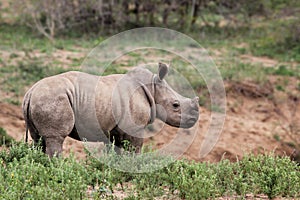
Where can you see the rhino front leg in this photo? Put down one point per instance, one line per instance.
(119, 137)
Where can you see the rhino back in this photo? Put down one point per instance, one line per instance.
(72, 92)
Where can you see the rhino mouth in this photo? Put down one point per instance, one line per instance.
(189, 123)
(192, 120)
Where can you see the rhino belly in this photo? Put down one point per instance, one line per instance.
(87, 125)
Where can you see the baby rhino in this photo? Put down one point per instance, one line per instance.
(110, 108)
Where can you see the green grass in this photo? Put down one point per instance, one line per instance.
(235, 70)
(27, 173)
(283, 70)
(20, 71)
(277, 39)
(14, 78)
(17, 37)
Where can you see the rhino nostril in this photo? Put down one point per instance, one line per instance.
(194, 109)
(194, 112)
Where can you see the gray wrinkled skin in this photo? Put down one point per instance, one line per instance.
(116, 107)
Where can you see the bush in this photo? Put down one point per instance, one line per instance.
(53, 17)
(26, 172)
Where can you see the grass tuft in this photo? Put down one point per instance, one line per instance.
(5, 139)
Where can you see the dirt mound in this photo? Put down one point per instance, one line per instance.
(245, 131)
(11, 119)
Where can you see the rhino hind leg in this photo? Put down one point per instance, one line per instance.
(54, 146)
(37, 139)
(54, 122)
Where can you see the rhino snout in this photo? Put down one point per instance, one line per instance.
(191, 114)
(195, 106)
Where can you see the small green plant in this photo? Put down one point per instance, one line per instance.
(5, 139)
(291, 144)
(280, 88)
(13, 55)
(284, 71)
(276, 137)
(241, 50)
(114, 70)
(128, 146)
(13, 101)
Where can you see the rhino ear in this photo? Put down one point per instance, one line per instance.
(151, 102)
(163, 70)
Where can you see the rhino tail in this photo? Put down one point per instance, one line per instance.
(25, 107)
(26, 113)
(26, 134)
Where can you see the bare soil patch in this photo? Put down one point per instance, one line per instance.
(62, 58)
(11, 119)
(265, 61)
(250, 127)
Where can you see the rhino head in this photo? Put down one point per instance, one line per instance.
(171, 107)
(166, 104)
(139, 89)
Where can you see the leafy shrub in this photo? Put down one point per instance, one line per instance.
(26, 172)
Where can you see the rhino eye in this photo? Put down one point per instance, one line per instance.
(176, 104)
